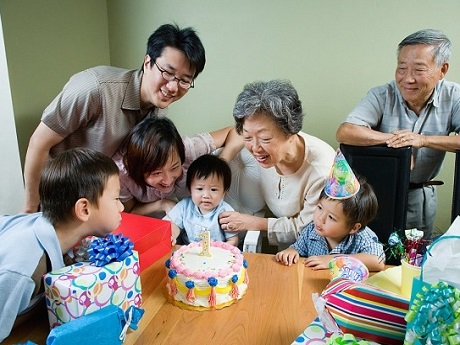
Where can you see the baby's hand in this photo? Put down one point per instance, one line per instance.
(288, 256)
(319, 262)
(175, 232)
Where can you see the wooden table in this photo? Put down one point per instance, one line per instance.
(276, 308)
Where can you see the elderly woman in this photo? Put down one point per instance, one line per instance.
(295, 165)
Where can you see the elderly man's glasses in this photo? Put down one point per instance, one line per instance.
(184, 84)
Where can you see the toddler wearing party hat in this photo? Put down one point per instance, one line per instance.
(339, 226)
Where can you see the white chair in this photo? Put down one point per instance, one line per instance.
(245, 195)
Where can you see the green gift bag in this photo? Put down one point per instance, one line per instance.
(434, 312)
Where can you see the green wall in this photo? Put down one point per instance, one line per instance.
(46, 42)
(333, 51)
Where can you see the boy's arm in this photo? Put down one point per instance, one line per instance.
(15, 293)
(319, 262)
(372, 262)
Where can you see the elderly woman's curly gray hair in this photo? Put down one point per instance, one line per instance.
(275, 98)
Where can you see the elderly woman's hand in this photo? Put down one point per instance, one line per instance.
(233, 221)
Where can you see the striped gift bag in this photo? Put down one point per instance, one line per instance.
(366, 311)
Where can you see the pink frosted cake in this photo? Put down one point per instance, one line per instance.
(200, 282)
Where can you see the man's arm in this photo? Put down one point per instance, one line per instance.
(402, 138)
(351, 134)
(40, 143)
(449, 143)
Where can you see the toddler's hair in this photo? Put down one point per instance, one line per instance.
(208, 165)
(361, 207)
(71, 175)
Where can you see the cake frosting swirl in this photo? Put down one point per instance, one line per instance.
(202, 282)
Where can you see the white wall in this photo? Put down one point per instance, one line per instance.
(11, 183)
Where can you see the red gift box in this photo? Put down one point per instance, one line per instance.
(151, 237)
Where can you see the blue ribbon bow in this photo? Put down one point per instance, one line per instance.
(112, 248)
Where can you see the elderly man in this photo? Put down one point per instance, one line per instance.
(418, 109)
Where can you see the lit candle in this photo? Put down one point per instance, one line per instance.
(205, 242)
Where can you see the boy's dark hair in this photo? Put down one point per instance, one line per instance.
(71, 175)
(185, 40)
(361, 207)
(208, 165)
(150, 146)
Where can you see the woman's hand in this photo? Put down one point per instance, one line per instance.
(233, 221)
(288, 256)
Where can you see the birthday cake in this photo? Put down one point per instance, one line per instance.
(200, 282)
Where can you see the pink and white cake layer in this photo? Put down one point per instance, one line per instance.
(200, 282)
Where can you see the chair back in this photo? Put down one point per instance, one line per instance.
(388, 171)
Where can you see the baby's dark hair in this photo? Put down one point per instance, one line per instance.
(71, 175)
(361, 207)
(208, 165)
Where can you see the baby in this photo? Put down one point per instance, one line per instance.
(208, 179)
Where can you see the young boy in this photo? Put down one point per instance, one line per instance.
(79, 193)
(208, 179)
(339, 226)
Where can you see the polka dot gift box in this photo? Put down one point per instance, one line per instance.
(111, 278)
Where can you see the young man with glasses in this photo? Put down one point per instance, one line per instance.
(98, 107)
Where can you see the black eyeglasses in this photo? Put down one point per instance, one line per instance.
(184, 84)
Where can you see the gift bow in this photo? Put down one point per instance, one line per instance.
(131, 318)
(346, 339)
(435, 315)
(109, 249)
